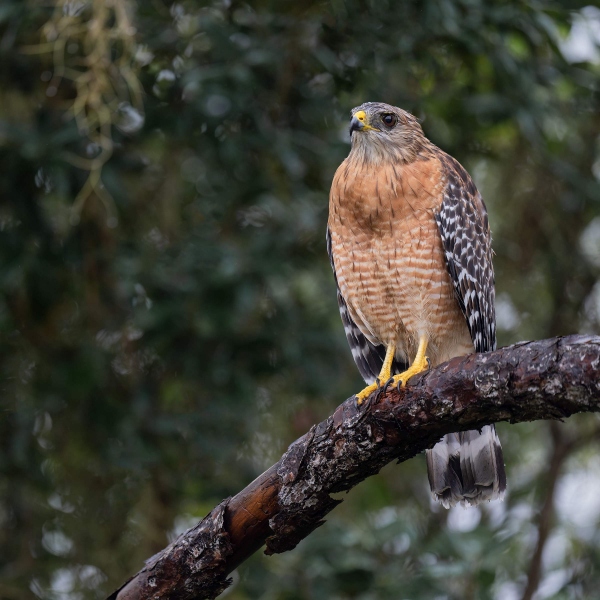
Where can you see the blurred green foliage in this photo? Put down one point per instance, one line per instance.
(165, 340)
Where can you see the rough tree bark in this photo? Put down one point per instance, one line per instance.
(549, 379)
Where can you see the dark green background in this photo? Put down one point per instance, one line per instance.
(152, 368)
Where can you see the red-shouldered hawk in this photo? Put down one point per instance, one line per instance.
(410, 247)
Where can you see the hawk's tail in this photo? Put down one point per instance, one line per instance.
(467, 468)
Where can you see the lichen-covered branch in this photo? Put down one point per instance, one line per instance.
(549, 379)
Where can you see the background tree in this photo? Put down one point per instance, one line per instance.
(165, 170)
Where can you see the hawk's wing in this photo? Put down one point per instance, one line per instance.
(467, 467)
(368, 357)
(463, 224)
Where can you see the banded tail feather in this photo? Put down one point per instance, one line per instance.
(467, 468)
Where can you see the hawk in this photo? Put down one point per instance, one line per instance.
(410, 246)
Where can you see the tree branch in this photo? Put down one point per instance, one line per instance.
(549, 379)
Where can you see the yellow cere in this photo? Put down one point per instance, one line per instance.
(362, 117)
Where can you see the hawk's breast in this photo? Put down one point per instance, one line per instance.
(388, 255)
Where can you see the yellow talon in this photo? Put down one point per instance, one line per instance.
(384, 375)
(364, 394)
(413, 370)
(420, 364)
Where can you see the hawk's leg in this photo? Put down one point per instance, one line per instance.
(384, 375)
(420, 364)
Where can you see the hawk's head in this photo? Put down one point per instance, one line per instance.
(382, 132)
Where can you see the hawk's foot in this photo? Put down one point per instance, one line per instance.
(364, 394)
(420, 365)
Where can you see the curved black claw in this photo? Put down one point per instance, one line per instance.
(399, 385)
(428, 363)
(364, 403)
(386, 384)
(367, 400)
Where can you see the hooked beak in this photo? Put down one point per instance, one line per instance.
(356, 125)
(359, 122)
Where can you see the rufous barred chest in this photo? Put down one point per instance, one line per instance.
(389, 259)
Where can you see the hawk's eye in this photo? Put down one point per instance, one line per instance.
(389, 120)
